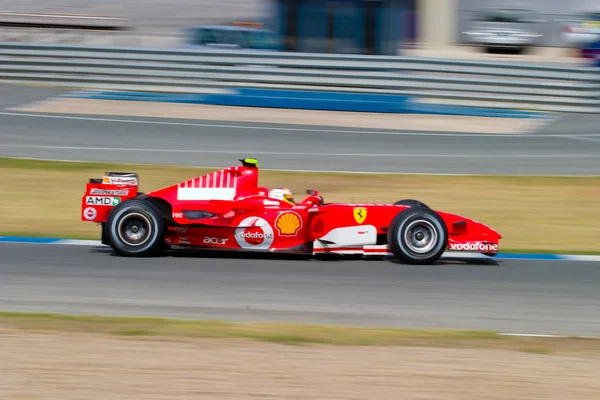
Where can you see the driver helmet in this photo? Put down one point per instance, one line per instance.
(282, 194)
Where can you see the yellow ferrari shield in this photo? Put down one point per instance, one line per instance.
(360, 214)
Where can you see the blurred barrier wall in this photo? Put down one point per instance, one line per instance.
(437, 81)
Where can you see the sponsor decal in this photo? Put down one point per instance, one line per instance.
(119, 180)
(109, 192)
(212, 240)
(474, 246)
(90, 213)
(177, 215)
(254, 233)
(102, 201)
(360, 214)
(270, 203)
(288, 223)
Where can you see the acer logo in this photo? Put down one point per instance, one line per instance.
(212, 240)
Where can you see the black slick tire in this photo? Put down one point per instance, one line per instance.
(418, 236)
(411, 203)
(135, 228)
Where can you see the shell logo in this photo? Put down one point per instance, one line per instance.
(288, 223)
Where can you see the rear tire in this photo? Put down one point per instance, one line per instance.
(418, 236)
(411, 203)
(103, 238)
(135, 228)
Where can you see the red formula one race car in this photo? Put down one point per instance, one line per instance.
(227, 210)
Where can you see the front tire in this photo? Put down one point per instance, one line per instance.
(135, 228)
(418, 236)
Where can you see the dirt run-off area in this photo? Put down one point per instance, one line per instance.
(410, 122)
(58, 366)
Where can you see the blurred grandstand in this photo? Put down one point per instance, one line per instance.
(151, 22)
(149, 15)
(431, 28)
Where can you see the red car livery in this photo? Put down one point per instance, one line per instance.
(227, 210)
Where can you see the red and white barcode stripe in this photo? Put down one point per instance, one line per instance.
(215, 180)
(220, 185)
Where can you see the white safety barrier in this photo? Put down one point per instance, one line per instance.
(442, 81)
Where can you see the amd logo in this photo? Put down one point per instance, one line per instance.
(102, 201)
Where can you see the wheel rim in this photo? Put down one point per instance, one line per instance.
(134, 229)
(420, 236)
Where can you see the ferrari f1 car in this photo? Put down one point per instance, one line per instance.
(228, 210)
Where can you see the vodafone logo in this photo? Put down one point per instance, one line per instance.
(474, 246)
(116, 180)
(90, 213)
(254, 233)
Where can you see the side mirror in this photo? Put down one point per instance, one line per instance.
(315, 193)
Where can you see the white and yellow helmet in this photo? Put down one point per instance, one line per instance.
(282, 194)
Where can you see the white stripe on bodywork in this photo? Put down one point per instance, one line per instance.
(358, 235)
(205, 193)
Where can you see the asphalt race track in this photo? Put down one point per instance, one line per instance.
(534, 297)
(551, 297)
(217, 144)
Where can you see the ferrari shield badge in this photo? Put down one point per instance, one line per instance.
(360, 214)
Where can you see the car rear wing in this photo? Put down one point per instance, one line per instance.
(103, 194)
(118, 178)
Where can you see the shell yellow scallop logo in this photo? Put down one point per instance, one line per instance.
(288, 223)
